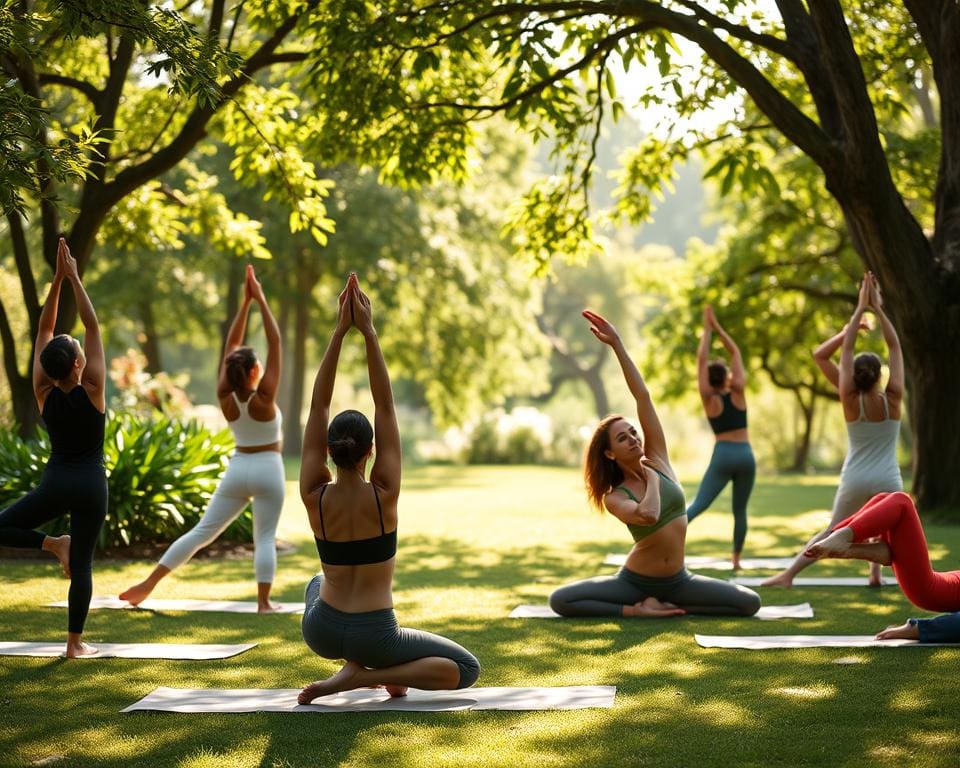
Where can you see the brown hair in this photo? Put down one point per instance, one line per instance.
(349, 438)
(601, 474)
(238, 365)
(866, 371)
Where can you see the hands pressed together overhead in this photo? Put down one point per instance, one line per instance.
(355, 308)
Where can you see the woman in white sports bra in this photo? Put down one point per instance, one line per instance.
(247, 393)
(872, 416)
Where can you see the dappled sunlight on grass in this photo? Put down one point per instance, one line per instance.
(474, 543)
(808, 692)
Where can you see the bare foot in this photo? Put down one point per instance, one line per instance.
(783, 579)
(341, 681)
(834, 545)
(59, 546)
(137, 593)
(263, 608)
(396, 691)
(77, 649)
(735, 560)
(908, 631)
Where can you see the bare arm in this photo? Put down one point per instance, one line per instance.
(847, 344)
(646, 511)
(738, 376)
(314, 471)
(703, 359)
(386, 470)
(895, 382)
(270, 381)
(48, 321)
(654, 441)
(823, 355)
(235, 336)
(95, 371)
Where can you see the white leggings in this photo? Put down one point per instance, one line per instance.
(257, 476)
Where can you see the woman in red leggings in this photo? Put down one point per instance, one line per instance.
(893, 517)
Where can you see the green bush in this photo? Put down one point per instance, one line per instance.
(161, 474)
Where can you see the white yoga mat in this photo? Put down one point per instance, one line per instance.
(718, 563)
(377, 700)
(767, 612)
(185, 651)
(217, 606)
(817, 581)
(804, 641)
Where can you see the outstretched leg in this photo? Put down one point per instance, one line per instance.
(714, 481)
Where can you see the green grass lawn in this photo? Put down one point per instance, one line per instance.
(475, 542)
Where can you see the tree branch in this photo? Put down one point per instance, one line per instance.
(770, 42)
(21, 257)
(87, 89)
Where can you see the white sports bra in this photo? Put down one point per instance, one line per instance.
(248, 432)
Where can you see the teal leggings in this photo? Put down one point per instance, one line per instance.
(730, 461)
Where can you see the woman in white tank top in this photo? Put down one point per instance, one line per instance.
(872, 416)
(247, 393)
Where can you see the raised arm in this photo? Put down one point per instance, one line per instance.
(738, 376)
(314, 471)
(95, 371)
(45, 328)
(848, 342)
(654, 441)
(895, 382)
(385, 473)
(270, 380)
(703, 357)
(235, 337)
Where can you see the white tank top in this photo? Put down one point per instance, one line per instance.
(248, 432)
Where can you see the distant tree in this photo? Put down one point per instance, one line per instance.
(818, 73)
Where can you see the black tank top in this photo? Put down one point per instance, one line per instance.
(376, 549)
(75, 427)
(730, 417)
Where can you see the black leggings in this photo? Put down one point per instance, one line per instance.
(80, 490)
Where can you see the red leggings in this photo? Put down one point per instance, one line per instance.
(893, 517)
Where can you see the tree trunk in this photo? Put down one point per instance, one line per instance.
(933, 368)
(25, 411)
(801, 450)
(293, 427)
(595, 381)
(148, 338)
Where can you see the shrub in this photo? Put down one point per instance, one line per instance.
(161, 474)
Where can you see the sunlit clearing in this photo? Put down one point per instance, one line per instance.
(819, 691)
(908, 701)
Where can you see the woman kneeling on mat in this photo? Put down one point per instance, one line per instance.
(247, 392)
(893, 517)
(68, 385)
(630, 475)
(349, 610)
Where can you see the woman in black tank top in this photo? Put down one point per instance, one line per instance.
(68, 384)
(349, 610)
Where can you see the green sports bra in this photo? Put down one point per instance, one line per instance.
(672, 506)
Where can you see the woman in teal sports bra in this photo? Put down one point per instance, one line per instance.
(349, 610)
(629, 474)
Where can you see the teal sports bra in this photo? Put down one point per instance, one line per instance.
(672, 506)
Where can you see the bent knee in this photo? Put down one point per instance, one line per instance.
(750, 603)
(469, 671)
(559, 603)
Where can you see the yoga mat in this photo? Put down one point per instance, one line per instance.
(212, 606)
(186, 651)
(718, 563)
(374, 700)
(764, 642)
(767, 612)
(817, 581)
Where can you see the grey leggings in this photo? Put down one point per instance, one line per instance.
(606, 595)
(730, 461)
(374, 639)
